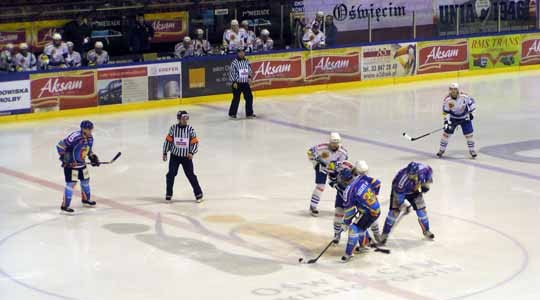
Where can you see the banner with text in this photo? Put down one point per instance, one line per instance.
(63, 90)
(530, 49)
(122, 85)
(15, 96)
(37, 34)
(169, 26)
(165, 81)
(332, 65)
(442, 56)
(351, 15)
(207, 76)
(494, 51)
(389, 60)
(278, 70)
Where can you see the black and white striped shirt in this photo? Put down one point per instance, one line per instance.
(240, 70)
(181, 141)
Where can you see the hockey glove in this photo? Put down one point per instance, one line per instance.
(235, 85)
(332, 183)
(471, 117)
(448, 125)
(94, 160)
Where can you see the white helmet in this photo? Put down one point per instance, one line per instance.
(187, 39)
(245, 23)
(320, 14)
(234, 22)
(23, 46)
(335, 138)
(454, 85)
(56, 36)
(361, 167)
(265, 32)
(9, 46)
(69, 44)
(199, 31)
(98, 44)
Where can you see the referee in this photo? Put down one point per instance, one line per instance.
(240, 74)
(183, 144)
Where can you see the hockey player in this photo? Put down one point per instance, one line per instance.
(25, 60)
(314, 38)
(248, 36)
(73, 58)
(97, 56)
(184, 49)
(319, 20)
(457, 109)
(57, 52)
(409, 184)
(232, 39)
(339, 179)
(73, 151)
(324, 158)
(201, 45)
(7, 56)
(361, 210)
(264, 42)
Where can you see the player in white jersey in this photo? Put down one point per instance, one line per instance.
(25, 60)
(97, 56)
(248, 35)
(201, 45)
(56, 52)
(7, 56)
(319, 20)
(184, 49)
(264, 42)
(232, 38)
(324, 158)
(457, 109)
(74, 58)
(314, 38)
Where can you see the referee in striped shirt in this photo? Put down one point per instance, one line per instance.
(183, 144)
(240, 73)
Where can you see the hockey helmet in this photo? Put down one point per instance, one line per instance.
(86, 124)
(182, 114)
(361, 167)
(345, 175)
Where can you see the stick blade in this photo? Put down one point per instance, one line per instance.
(405, 135)
(311, 261)
(116, 156)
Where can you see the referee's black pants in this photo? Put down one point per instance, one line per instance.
(243, 88)
(187, 165)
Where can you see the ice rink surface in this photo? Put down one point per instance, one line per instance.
(244, 241)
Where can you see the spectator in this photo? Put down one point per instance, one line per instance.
(25, 60)
(140, 35)
(79, 32)
(97, 56)
(314, 38)
(264, 42)
(74, 58)
(201, 45)
(299, 31)
(184, 48)
(330, 31)
(7, 63)
(232, 39)
(248, 36)
(57, 52)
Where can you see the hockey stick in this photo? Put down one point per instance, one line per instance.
(314, 260)
(112, 160)
(412, 139)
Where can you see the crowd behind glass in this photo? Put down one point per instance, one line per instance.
(72, 48)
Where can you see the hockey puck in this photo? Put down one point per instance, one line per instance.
(300, 260)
